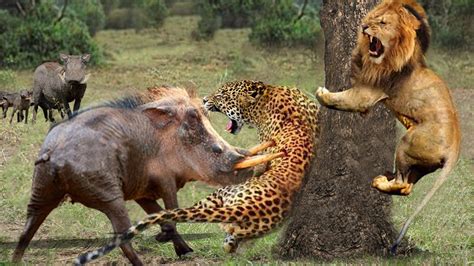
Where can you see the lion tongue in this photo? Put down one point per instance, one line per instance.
(228, 127)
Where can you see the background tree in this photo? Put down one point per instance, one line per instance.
(38, 31)
(337, 213)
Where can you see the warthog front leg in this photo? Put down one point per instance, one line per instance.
(168, 230)
(13, 114)
(26, 115)
(67, 109)
(77, 104)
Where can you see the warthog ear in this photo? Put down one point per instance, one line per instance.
(64, 57)
(85, 58)
(160, 116)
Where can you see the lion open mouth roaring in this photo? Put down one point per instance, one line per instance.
(375, 47)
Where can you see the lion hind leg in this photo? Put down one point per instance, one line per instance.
(412, 163)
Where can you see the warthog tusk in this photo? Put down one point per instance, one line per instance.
(260, 147)
(62, 76)
(256, 160)
(84, 80)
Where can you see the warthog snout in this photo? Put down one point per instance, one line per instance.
(231, 158)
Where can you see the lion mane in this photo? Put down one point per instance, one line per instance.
(408, 22)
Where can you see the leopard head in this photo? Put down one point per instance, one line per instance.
(236, 100)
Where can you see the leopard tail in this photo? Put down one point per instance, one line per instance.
(192, 214)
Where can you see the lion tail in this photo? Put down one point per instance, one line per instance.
(448, 167)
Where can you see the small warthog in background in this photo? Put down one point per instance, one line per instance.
(6, 101)
(7, 98)
(48, 108)
(21, 103)
(56, 85)
(129, 150)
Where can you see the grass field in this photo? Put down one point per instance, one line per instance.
(444, 231)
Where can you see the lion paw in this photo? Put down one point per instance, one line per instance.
(406, 190)
(380, 182)
(391, 187)
(321, 91)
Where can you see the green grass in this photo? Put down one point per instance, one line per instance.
(169, 56)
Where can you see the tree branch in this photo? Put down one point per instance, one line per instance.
(301, 12)
(20, 8)
(61, 14)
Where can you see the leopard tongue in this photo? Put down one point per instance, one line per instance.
(228, 127)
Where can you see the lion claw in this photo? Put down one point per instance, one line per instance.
(321, 90)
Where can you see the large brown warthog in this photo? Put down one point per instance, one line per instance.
(131, 149)
(55, 85)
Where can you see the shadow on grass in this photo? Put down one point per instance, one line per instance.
(85, 242)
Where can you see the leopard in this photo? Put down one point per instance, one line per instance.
(389, 66)
(287, 125)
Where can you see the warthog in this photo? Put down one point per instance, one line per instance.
(21, 103)
(55, 85)
(6, 100)
(130, 149)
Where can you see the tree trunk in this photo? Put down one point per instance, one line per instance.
(337, 213)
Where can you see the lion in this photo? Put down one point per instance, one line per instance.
(388, 66)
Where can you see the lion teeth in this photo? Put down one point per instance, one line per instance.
(371, 38)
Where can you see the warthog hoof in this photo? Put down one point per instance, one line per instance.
(180, 247)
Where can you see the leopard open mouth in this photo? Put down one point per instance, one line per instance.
(233, 127)
(376, 48)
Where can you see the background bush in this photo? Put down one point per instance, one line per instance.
(91, 12)
(279, 24)
(273, 23)
(126, 18)
(109, 5)
(451, 22)
(30, 40)
(135, 14)
(217, 14)
(156, 10)
(209, 23)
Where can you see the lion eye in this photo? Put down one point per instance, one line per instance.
(382, 22)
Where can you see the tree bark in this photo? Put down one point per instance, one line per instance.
(337, 214)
